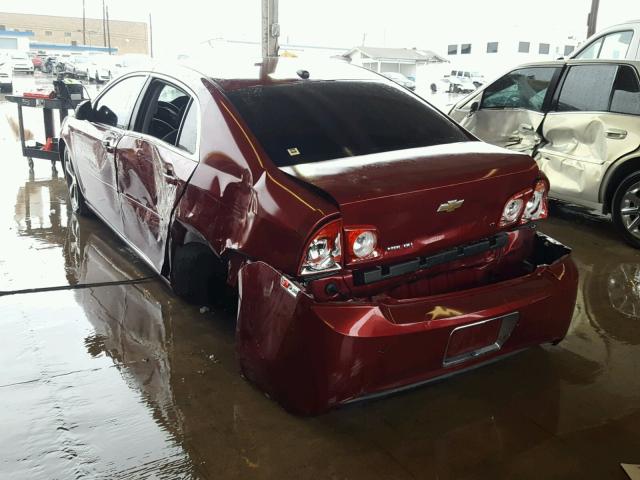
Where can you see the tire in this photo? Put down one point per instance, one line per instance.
(625, 209)
(76, 198)
(197, 275)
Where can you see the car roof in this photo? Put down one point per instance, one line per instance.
(240, 73)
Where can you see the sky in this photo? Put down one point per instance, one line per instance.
(343, 23)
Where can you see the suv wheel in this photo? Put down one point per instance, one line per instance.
(78, 204)
(625, 209)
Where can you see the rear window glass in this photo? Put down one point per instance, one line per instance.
(314, 121)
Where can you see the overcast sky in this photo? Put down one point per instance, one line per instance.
(342, 23)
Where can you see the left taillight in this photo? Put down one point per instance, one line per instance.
(324, 251)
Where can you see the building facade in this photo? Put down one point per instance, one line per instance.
(492, 52)
(126, 37)
(407, 61)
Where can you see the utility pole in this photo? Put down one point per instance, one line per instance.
(108, 29)
(270, 28)
(84, 25)
(592, 20)
(150, 36)
(104, 25)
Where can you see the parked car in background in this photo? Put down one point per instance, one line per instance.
(36, 62)
(400, 79)
(580, 120)
(21, 63)
(102, 68)
(464, 81)
(6, 73)
(77, 66)
(375, 244)
(620, 42)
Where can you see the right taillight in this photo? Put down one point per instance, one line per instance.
(324, 251)
(537, 206)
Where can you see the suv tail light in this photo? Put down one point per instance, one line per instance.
(537, 207)
(324, 252)
(362, 243)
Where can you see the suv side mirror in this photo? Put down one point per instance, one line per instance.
(475, 106)
(84, 111)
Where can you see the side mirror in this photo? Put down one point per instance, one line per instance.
(475, 106)
(84, 111)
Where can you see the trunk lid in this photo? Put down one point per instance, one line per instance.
(401, 192)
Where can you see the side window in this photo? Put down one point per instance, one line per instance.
(115, 106)
(162, 111)
(626, 92)
(587, 88)
(610, 47)
(189, 131)
(592, 51)
(524, 88)
(616, 45)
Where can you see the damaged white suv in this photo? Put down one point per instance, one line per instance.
(580, 120)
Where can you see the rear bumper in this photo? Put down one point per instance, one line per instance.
(312, 355)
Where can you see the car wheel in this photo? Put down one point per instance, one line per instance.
(625, 209)
(76, 198)
(197, 275)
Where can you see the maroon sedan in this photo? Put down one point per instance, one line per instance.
(375, 244)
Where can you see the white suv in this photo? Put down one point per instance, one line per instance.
(620, 42)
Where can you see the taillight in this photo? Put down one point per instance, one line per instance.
(362, 243)
(324, 252)
(528, 205)
(537, 207)
(513, 209)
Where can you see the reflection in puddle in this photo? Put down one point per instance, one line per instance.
(624, 289)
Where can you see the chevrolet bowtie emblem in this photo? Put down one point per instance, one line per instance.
(450, 206)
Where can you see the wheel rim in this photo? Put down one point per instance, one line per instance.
(630, 210)
(72, 182)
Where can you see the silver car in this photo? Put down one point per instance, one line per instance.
(580, 120)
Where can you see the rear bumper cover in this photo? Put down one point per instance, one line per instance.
(312, 355)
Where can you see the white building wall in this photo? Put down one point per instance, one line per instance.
(508, 55)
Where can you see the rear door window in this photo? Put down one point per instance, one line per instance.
(313, 121)
(625, 97)
(524, 88)
(162, 111)
(587, 88)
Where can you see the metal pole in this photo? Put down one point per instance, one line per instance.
(592, 20)
(270, 28)
(108, 29)
(104, 25)
(150, 36)
(84, 25)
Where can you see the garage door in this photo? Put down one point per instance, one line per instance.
(9, 43)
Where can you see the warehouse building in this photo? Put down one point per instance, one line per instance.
(126, 36)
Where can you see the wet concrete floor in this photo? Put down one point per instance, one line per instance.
(125, 381)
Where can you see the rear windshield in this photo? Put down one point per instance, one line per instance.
(321, 120)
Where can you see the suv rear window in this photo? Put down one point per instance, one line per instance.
(321, 120)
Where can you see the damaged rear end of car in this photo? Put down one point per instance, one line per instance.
(430, 263)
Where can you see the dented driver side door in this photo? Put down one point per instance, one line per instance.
(594, 122)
